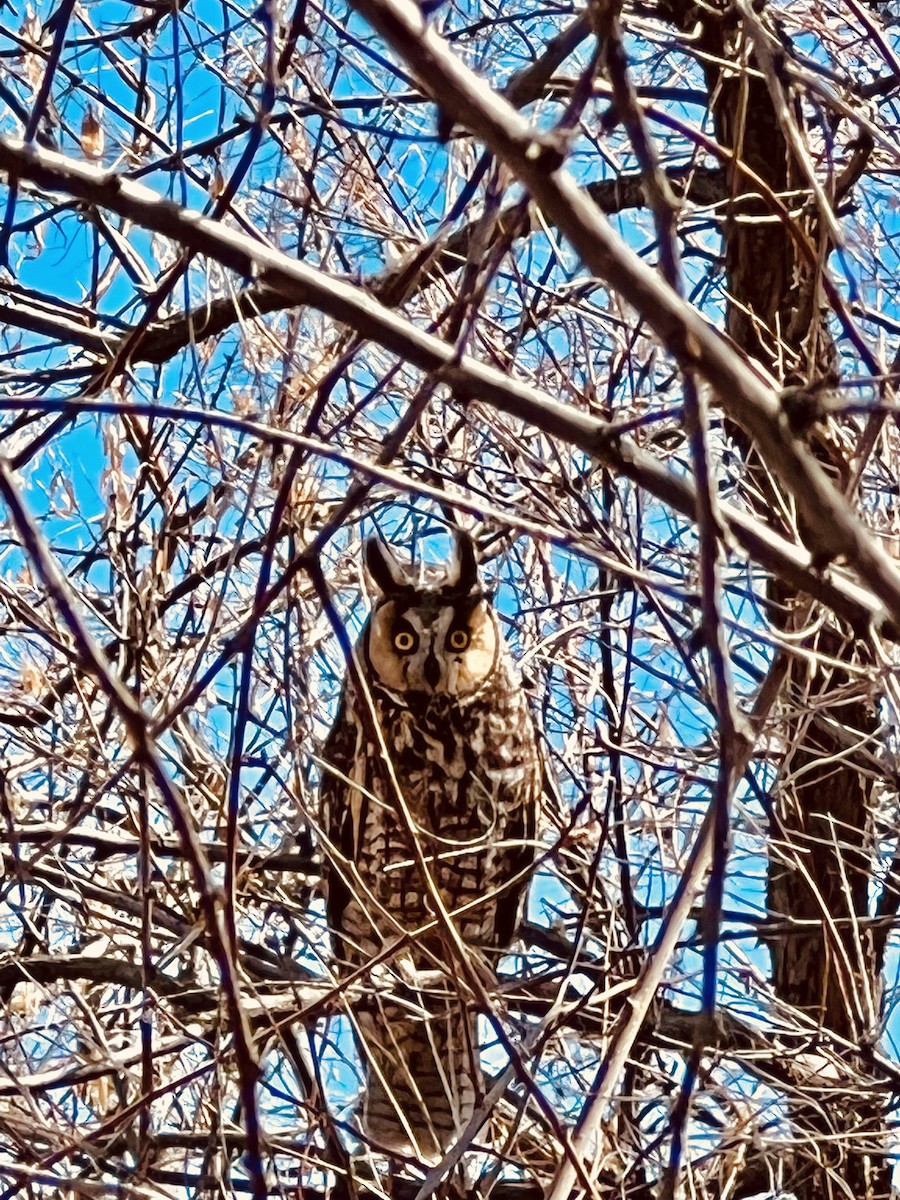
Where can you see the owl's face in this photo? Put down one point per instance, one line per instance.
(437, 638)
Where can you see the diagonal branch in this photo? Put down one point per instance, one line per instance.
(833, 528)
(537, 161)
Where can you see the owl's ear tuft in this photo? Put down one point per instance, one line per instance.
(384, 570)
(465, 578)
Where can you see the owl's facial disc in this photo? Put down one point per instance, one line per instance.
(433, 648)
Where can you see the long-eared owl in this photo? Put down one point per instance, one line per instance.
(459, 792)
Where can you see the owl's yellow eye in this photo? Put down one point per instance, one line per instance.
(404, 641)
(458, 639)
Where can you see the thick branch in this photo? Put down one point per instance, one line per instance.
(833, 522)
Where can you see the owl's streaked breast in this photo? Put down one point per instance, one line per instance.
(469, 776)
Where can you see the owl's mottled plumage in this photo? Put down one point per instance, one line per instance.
(457, 729)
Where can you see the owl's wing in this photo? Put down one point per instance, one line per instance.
(343, 814)
(522, 812)
(521, 830)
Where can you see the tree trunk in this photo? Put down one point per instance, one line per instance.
(820, 838)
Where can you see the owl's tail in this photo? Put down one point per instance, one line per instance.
(423, 1075)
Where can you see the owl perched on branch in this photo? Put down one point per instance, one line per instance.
(436, 768)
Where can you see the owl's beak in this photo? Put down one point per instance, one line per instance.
(431, 669)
